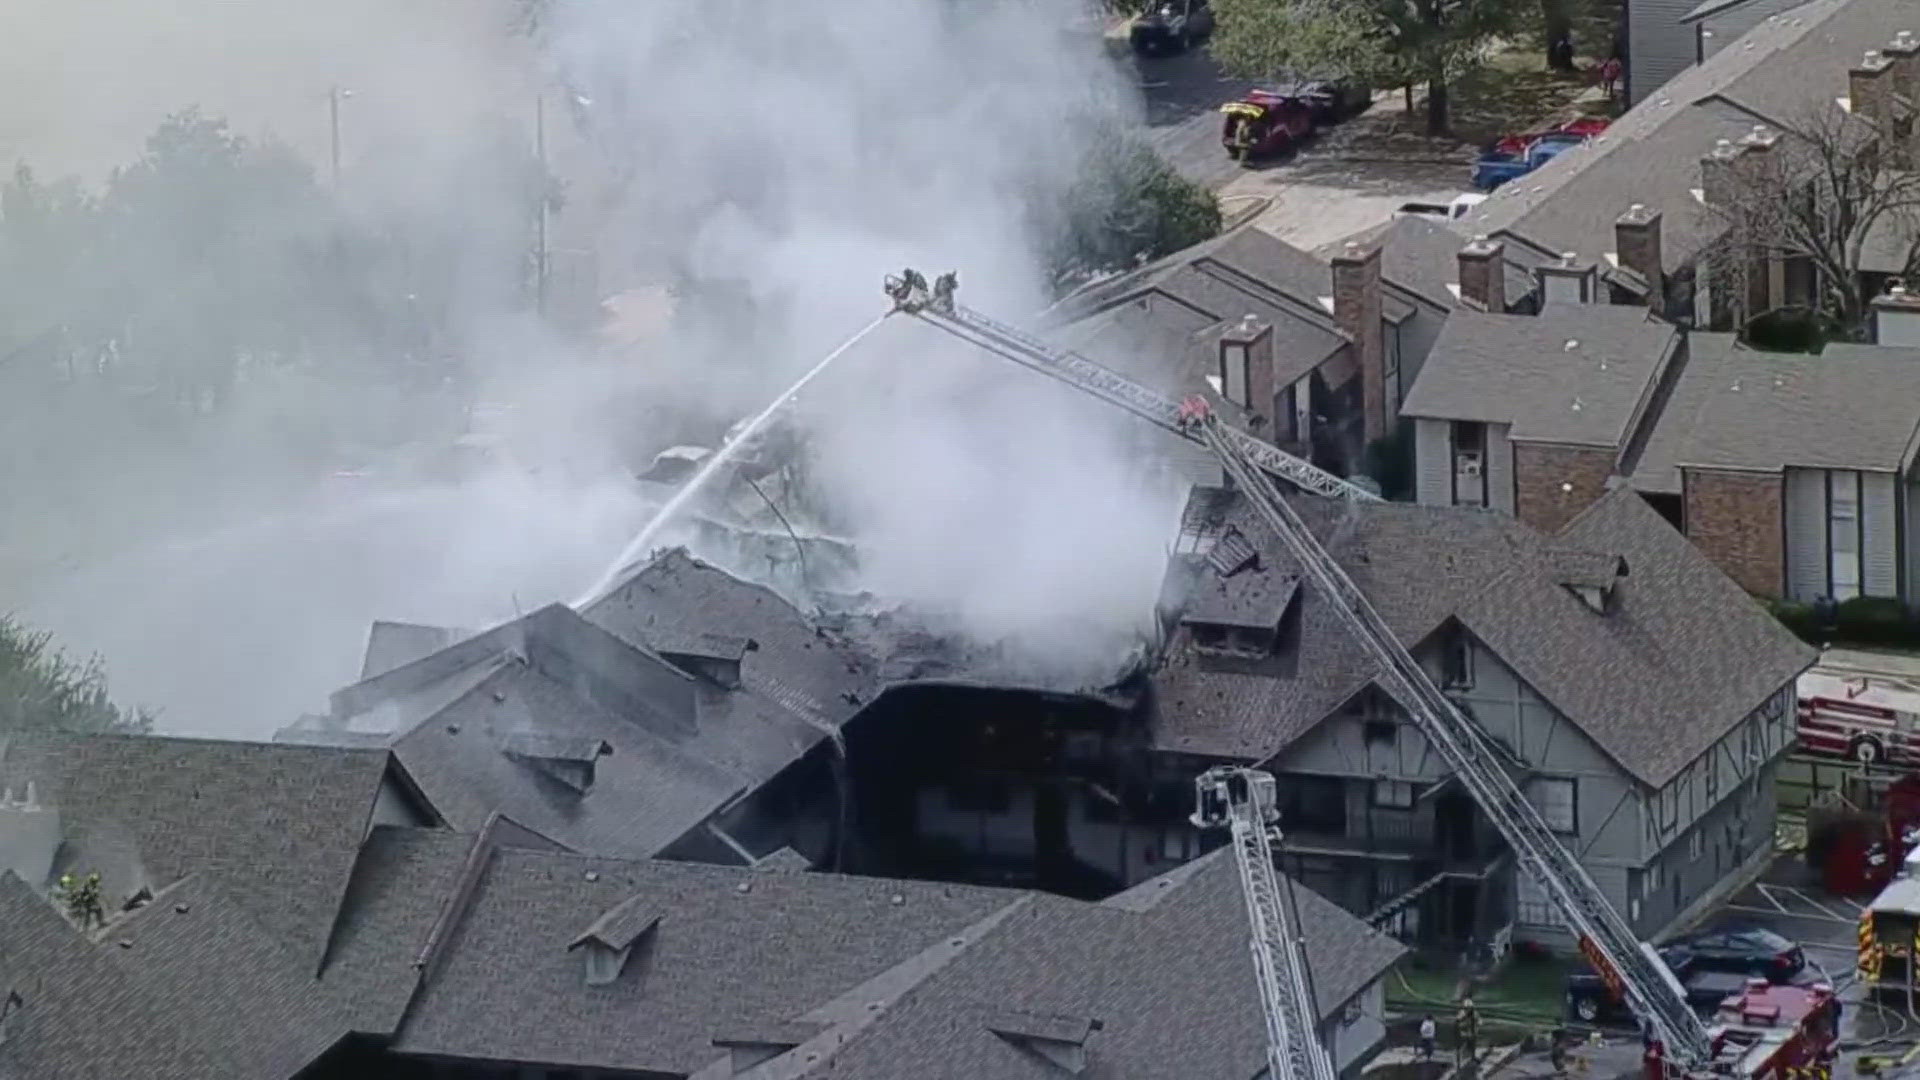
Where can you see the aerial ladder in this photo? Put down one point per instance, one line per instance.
(1629, 967)
(1243, 801)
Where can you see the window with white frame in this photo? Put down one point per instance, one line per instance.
(1556, 798)
(1843, 533)
(1393, 794)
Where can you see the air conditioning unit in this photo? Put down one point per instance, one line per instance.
(1469, 465)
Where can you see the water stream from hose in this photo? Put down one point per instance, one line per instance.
(638, 547)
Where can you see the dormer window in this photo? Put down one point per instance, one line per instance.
(610, 942)
(1590, 576)
(1240, 615)
(1060, 1041)
(717, 658)
(567, 759)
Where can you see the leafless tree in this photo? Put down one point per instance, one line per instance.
(1834, 194)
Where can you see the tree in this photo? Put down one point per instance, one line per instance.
(1125, 207)
(42, 689)
(1828, 196)
(1381, 42)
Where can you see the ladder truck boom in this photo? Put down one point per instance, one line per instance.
(1243, 801)
(1606, 940)
(909, 295)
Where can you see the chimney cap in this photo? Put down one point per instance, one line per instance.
(1903, 42)
(1873, 62)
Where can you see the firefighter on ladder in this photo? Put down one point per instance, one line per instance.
(944, 287)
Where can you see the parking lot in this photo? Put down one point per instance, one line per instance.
(1349, 178)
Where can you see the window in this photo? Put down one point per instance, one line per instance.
(1286, 421)
(1379, 731)
(1713, 778)
(1555, 798)
(1696, 846)
(1233, 374)
(1351, 1012)
(1667, 807)
(1843, 534)
(1393, 794)
(1457, 663)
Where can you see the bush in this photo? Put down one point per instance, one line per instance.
(1789, 330)
(1863, 620)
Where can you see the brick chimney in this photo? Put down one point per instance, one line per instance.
(1903, 54)
(1719, 178)
(1636, 243)
(1896, 317)
(1246, 367)
(1483, 274)
(1870, 89)
(1356, 307)
(1569, 279)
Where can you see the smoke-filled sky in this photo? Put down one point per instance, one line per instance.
(789, 153)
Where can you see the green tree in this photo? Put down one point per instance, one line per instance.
(1125, 207)
(41, 688)
(1381, 42)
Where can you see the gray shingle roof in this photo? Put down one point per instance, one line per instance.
(284, 821)
(1171, 983)
(67, 986)
(721, 957)
(188, 986)
(646, 794)
(1422, 257)
(1851, 407)
(1775, 74)
(1576, 373)
(1679, 660)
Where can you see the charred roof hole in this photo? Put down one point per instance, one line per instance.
(1242, 616)
(570, 760)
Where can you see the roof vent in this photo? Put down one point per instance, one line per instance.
(754, 1043)
(1060, 1041)
(612, 937)
(1572, 344)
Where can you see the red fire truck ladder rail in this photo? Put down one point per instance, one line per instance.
(1650, 990)
(1083, 374)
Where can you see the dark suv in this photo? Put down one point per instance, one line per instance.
(1171, 26)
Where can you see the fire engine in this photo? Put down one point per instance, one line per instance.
(1873, 719)
(1768, 1032)
(1890, 932)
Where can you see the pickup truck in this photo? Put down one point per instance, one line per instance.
(1496, 167)
(1708, 979)
(1452, 210)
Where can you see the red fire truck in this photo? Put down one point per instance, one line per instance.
(1768, 1032)
(1873, 719)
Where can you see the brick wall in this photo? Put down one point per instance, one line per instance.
(1357, 309)
(1553, 482)
(1735, 519)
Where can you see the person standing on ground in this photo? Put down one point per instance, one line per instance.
(1466, 1031)
(1610, 77)
(1428, 1030)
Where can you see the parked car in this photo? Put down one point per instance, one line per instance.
(1333, 100)
(1745, 950)
(1172, 26)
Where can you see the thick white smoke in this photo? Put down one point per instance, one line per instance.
(769, 161)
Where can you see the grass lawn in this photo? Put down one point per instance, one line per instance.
(1530, 991)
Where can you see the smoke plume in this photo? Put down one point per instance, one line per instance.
(767, 164)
